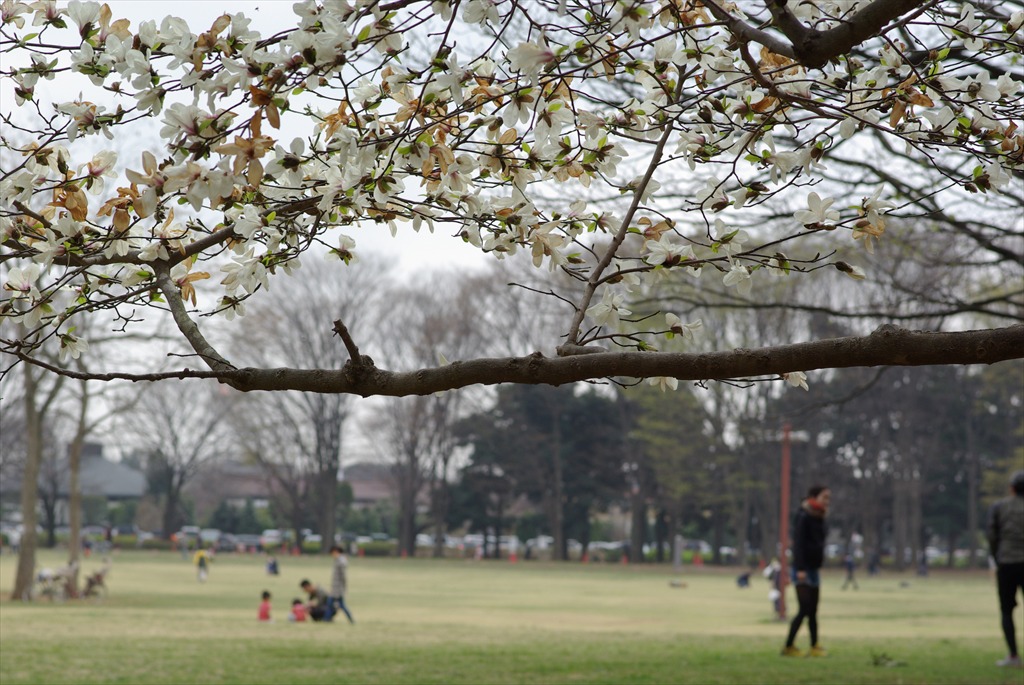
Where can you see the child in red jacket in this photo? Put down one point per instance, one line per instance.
(264, 613)
(298, 614)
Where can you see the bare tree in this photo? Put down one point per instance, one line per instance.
(285, 328)
(178, 428)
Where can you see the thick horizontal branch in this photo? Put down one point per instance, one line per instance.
(887, 346)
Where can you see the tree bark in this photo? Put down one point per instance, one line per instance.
(638, 526)
(887, 346)
(916, 519)
(75, 490)
(29, 491)
(899, 522)
(557, 503)
(972, 496)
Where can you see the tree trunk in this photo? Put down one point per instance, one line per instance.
(916, 520)
(661, 532)
(29, 490)
(899, 522)
(48, 499)
(742, 528)
(557, 515)
(717, 538)
(170, 517)
(972, 497)
(498, 525)
(869, 507)
(440, 502)
(327, 484)
(972, 510)
(677, 543)
(75, 490)
(407, 524)
(638, 526)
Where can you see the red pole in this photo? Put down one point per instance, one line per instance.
(784, 520)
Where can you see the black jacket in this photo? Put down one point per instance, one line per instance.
(809, 533)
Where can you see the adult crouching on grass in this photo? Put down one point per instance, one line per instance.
(809, 532)
(1005, 532)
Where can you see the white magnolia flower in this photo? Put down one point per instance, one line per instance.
(529, 57)
(481, 12)
(848, 127)
(609, 309)
(687, 330)
(666, 383)
(10, 13)
(854, 272)
(738, 276)
(665, 252)
(344, 251)
(797, 379)
(818, 211)
(997, 178)
(730, 244)
(22, 281)
(70, 345)
(83, 13)
(969, 24)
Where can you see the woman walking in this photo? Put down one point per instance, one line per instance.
(809, 531)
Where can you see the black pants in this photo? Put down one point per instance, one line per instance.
(1009, 578)
(807, 600)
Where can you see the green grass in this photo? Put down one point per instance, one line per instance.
(424, 621)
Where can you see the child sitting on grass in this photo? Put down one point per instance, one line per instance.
(264, 613)
(298, 614)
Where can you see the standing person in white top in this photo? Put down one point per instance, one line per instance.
(339, 581)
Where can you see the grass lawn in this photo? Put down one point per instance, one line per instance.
(453, 621)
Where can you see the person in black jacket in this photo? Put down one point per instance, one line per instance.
(809, 531)
(1005, 532)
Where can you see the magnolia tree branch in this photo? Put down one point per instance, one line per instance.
(185, 324)
(815, 48)
(638, 194)
(811, 47)
(887, 346)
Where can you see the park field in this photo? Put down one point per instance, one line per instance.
(454, 621)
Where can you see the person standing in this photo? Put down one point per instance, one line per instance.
(809, 532)
(339, 580)
(202, 561)
(850, 564)
(1005, 532)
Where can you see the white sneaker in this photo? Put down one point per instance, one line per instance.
(1011, 662)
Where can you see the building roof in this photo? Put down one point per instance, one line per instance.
(98, 476)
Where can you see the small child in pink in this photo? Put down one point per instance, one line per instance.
(298, 614)
(264, 614)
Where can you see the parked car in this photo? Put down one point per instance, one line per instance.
(270, 538)
(697, 546)
(209, 536)
(226, 542)
(248, 540)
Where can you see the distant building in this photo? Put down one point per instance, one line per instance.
(228, 481)
(371, 483)
(97, 477)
